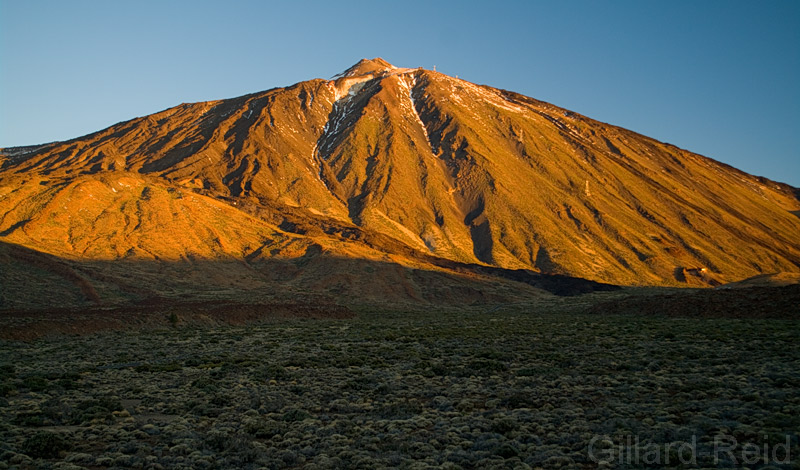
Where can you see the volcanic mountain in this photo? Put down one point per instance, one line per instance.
(395, 183)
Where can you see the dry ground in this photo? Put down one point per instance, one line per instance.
(502, 387)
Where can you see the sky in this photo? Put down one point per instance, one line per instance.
(719, 78)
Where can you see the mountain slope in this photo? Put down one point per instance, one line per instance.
(415, 161)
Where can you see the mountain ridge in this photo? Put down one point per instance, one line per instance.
(462, 172)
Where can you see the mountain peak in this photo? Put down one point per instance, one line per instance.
(367, 66)
(400, 167)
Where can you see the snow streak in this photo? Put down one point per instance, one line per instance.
(410, 89)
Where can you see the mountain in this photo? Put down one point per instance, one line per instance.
(395, 171)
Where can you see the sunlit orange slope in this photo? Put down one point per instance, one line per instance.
(418, 164)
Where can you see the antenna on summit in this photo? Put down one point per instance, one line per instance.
(434, 68)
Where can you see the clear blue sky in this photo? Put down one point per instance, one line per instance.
(720, 78)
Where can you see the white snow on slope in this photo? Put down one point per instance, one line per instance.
(409, 88)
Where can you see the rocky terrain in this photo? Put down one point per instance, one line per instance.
(393, 268)
(519, 387)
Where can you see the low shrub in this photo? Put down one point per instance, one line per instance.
(44, 445)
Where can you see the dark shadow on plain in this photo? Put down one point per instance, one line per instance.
(35, 280)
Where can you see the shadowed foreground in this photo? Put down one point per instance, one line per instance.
(511, 388)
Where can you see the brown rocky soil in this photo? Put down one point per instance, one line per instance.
(753, 302)
(154, 314)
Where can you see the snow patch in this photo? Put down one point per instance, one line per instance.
(409, 88)
(349, 87)
(343, 107)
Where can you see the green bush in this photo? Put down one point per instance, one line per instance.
(507, 451)
(271, 372)
(263, 429)
(295, 415)
(485, 367)
(168, 367)
(101, 408)
(68, 381)
(206, 384)
(44, 445)
(503, 425)
(31, 419)
(7, 371)
(36, 383)
(6, 389)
